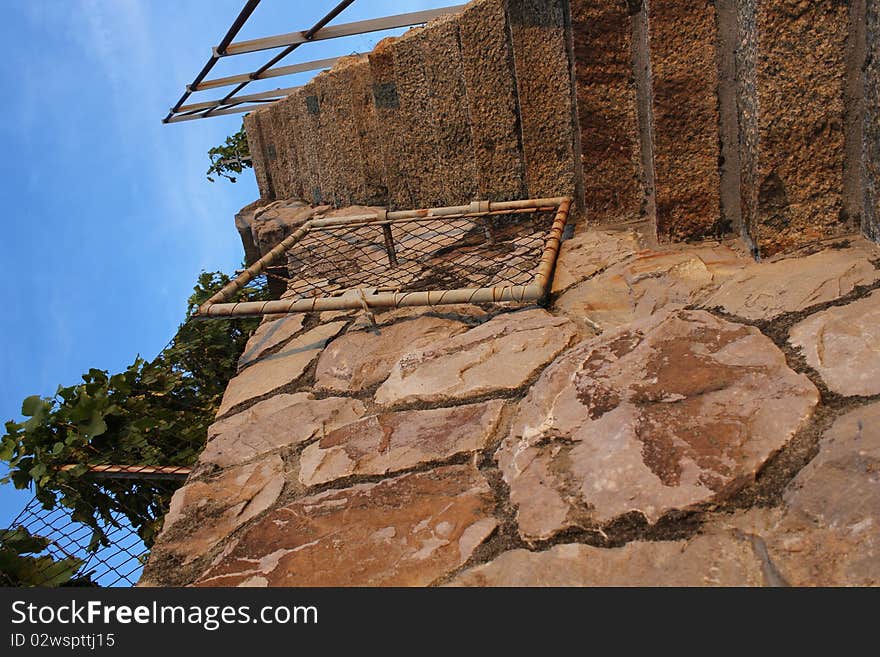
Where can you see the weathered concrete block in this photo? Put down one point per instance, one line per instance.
(419, 163)
(491, 91)
(285, 170)
(795, 59)
(291, 115)
(543, 80)
(445, 77)
(356, 74)
(308, 107)
(257, 146)
(390, 124)
(684, 66)
(614, 188)
(337, 128)
(871, 217)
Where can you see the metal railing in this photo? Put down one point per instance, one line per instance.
(232, 103)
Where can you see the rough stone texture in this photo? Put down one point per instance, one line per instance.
(767, 290)
(685, 109)
(491, 92)
(407, 531)
(342, 180)
(871, 218)
(828, 531)
(203, 513)
(719, 559)
(589, 253)
(268, 336)
(418, 157)
(312, 146)
(831, 535)
(799, 66)
(364, 359)
(391, 128)
(664, 414)
(280, 368)
(257, 148)
(606, 102)
(500, 355)
(392, 442)
(276, 422)
(445, 77)
(843, 345)
(543, 82)
(648, 282)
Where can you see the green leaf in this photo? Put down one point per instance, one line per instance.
(31, 406)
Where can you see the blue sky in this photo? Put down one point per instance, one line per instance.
(108, 215)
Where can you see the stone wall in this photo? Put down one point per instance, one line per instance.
(675, 416)
(754, 118)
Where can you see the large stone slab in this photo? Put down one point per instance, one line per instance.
(684, 72)
(280, 368)
(831, 533)
(203, 513)
(501, 355)
(843, 345)
(363, 359)
(391, 442)
(268, 336)
(407, 531)
(647, 283)
(276, 422)
(719, 559)
(767, 290)
(614, 187)
(666, 413)
(590, 252)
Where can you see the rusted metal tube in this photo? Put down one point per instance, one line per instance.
(517, 293)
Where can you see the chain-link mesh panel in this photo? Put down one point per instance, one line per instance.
(415, 255)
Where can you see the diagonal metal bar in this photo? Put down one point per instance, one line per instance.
(293, 69)
(233, 31)
(337, 31)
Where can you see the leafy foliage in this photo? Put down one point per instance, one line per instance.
(20, 564)
(154, 413)
(232, 157)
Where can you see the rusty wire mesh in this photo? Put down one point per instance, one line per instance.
(416, 254)
(116, 563)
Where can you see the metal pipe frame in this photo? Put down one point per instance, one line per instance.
(217, 306)
(230, 103)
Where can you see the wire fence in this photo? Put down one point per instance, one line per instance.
(482, 252)
(60, 551)
(415, 255)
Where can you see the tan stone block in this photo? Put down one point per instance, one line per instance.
(843, 345)
(278, 369)
(391, 442)
(500, 355)
(769, 289)
(203, 513)
(276, 422)
(407, 531)
(664, 414)
(268, 336)
(363, 359)
(647, 283)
